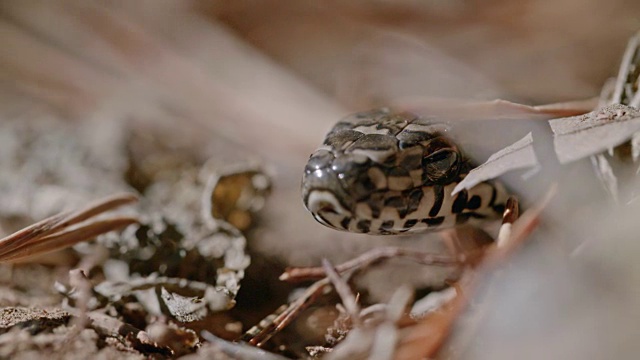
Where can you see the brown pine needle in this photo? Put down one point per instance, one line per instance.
(56, 232)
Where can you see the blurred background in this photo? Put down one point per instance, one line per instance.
(266, 79)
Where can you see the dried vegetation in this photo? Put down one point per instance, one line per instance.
(162, 143)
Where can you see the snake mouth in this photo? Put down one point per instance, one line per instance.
(327, 210)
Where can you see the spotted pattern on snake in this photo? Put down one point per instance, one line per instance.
(386, 172)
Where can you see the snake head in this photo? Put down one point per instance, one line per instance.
(376, 169)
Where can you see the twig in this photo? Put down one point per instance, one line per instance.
(370, 257)
(344, 291)
(280, 321)
(290, 313)
(111, 327)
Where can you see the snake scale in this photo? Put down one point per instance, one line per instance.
(387, 172)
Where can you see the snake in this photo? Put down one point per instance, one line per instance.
(386, 171)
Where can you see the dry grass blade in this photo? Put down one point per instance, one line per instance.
(55, 233)
(457, 109)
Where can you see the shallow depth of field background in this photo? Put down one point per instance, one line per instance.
(266, 79)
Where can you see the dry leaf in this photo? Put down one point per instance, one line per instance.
(581, 136)
(516, 156)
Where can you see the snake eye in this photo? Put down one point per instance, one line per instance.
(441, 166)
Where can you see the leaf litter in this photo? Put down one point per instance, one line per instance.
(184, 258)
(179, 259)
